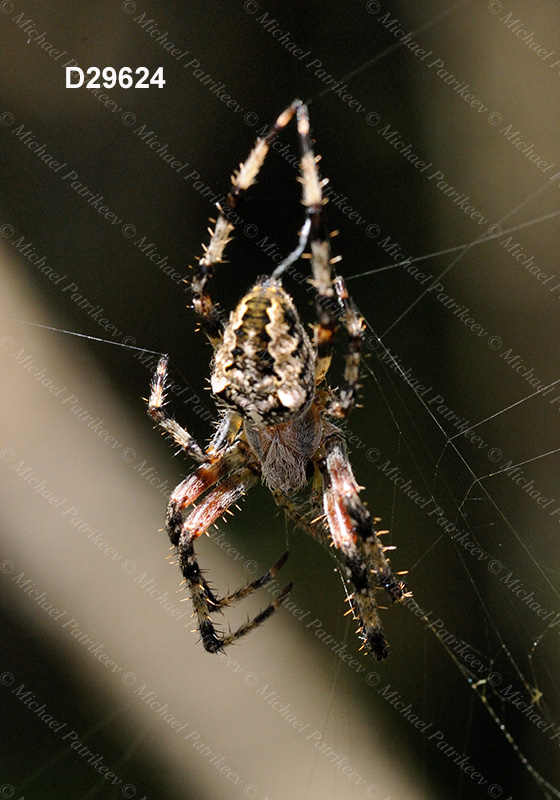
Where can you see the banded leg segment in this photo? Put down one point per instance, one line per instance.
(157, 412)
(183, 534)
(325, 303)
(342, 405)
(220, 235)
(332, 299)
(354, 535)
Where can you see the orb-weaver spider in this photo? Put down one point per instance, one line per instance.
(269, 379)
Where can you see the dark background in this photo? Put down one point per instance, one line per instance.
(152, 312)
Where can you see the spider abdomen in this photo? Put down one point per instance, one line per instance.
(264, 367)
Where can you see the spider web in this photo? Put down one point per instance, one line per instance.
(480, 632)
(525, 673)
(463, 494)
(517, 656)
(466, 495)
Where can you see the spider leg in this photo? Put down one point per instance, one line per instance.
(183, 534)
(190, 489)
(354, 324)
(158, 413)
(310, 520)
(225, 435)
(332, 299)
(325, 303)
(354, 535)
(249, 588)
(241, 180)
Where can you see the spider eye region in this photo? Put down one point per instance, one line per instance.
(264, 368)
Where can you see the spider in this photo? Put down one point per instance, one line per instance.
(275, 423)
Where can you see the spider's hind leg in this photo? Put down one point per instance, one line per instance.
(354, 535)
(244, 591)
(183, 534)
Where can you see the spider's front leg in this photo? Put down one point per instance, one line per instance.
(332, 300)
(158, 413)
(183, 534)
(354, 535)
(220, 235)
(225, 478)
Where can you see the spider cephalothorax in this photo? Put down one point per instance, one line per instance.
(269, 378)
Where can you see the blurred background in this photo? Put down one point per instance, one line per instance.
(437, 127)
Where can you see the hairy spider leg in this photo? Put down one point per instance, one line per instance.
(354, 535)
(342, 405)
(183, 534)
(158, 413)
(367, 536)
(332, 299)
(226, 432)
(221, 465)
(211, 318)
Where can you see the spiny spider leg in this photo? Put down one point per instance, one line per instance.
(221, 441)
(354, 535)
(241, 180)
(354, 324)
(366, 536)
(313, 201)
(246, 590)
(183, 534)
(332, 297)
(190, 489)
(158, 413)
(215, 504)
(225, 639)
